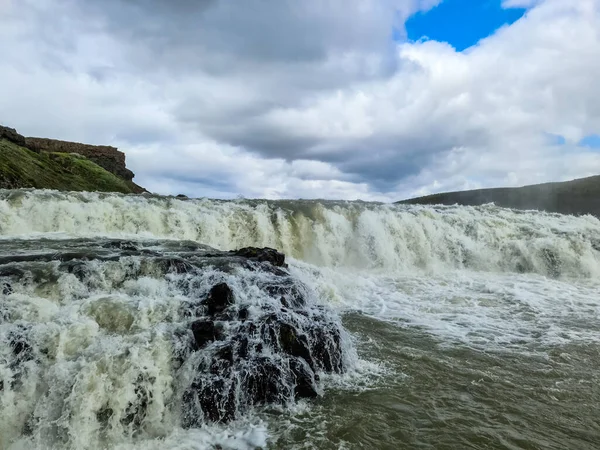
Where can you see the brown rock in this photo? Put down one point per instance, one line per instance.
(105, 156)
(265, 254)
(10, 134)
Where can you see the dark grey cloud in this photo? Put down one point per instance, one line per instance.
(282, 30)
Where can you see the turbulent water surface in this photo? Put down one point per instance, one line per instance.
(467, 327)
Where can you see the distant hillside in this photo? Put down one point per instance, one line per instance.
(51, 164)
(577, 197)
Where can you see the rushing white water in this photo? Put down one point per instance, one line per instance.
(485, 277)
(331, 234)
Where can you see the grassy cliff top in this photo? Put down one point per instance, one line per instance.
(23, 168)
(581, 196)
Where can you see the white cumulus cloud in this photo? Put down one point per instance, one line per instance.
(306, 99)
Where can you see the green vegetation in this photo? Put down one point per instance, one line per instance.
(23, 168)
(581, 196)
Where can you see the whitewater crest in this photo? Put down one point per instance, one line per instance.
(358, 235)
(105, 342)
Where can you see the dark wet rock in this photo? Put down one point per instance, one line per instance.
(191, 287)
(181, 196)
(304, 379)
(191, 310)
(121, 245)
(184, 344)
(177, 265)
(225, 353)
(265, 382)
(206, 331)
(77, 268)
(266, 254)
(326, 348)
(84, 256)
(128, 246)
(219, 298)
(268, 331)
(266, 267)
(8, 271)
(209, 402)
(243, 314)
(218, 401)
(19, 344)
(46, 257)
(104, 415)
(242, 346)
(222, 360)
(7, 289)
(287, 292)
(295, 344)
(137, 410)
(30, 425)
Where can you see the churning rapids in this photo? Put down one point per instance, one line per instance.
(133, 322)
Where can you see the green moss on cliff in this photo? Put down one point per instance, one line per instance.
(23, 168)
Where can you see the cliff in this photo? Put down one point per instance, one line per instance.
(105, 156)
(576, 197)
(54, 164)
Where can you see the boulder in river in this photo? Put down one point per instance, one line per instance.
(271, 354)
(269, 255)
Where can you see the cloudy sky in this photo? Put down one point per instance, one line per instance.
(348, 99)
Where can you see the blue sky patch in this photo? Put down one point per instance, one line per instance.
(555, 139)
(593, 141)
(461, 23)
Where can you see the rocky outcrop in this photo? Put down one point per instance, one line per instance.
(272, 354)
(105, 156)
(10, 134)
